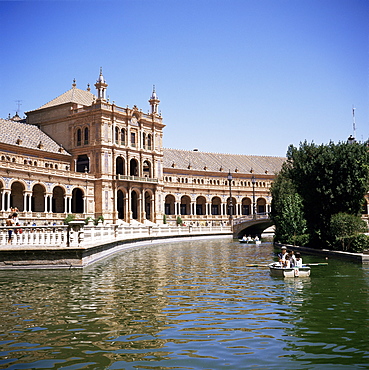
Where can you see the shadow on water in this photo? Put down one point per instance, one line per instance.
(185, 305)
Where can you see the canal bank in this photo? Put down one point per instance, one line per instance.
(80, 245)
(356, 257)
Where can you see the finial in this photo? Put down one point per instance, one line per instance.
(74, 83)
(100, 71)
(88, 87)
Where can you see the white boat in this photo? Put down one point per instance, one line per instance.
(276, 270)
(250, 241)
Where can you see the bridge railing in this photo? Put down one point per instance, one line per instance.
(257, 216)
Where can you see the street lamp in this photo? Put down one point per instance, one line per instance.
(229, 177)
(253, 180)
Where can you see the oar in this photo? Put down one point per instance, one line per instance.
(251, 265)
(316, 264)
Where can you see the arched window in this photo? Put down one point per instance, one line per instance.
(123, 136)
(79, 137)
(149, 142)
(144, 140)
(116, 136)
(86, 136)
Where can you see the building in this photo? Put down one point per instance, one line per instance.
(81, 154)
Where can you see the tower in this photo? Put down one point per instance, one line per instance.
(101, 86)
(154, 102)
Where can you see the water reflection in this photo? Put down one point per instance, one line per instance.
(188, 305)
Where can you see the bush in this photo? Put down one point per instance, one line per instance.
(164, 218)
(68, 219)
(358, 243)
(179, 221)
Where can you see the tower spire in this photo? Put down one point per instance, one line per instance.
(101, 86)
(154, 101)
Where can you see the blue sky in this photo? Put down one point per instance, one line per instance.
(235, 76)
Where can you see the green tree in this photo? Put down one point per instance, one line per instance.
(287, 211)
(346, 232)
(330, 179)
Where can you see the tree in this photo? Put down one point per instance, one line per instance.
(330, 179)
(287, 211)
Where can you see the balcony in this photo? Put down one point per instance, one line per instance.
(137, 179)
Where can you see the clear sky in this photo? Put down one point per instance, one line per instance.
(233, 76)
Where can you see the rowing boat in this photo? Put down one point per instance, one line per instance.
(250, 241)
(276, 270)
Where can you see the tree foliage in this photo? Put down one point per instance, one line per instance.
(329, 179)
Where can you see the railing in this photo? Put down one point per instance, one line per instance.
(257, 216)
(78, 234)
(136, 178)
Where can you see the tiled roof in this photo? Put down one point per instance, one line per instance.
(28, 136)
(73, 95)
(201, 161)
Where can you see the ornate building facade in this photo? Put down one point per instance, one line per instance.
(80, 154)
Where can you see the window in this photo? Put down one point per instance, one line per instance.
(86, 136)
(123, 137)
(79, 137)
(133, 139)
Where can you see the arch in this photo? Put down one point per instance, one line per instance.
(119, 166)
(16, 196)
(77, 200)
(216, 206)
(116, 135)
(147, 206)
(185, 206)
(86, 135)
(58, 200)
(134, 204)
(133, 167)
(146, 169)
(79, 137)
(38, 198)
(120, 204)
(169, 205)
(246, 206)
(261, 206)
(200, 206)
(234, 206)
(83, 163)
(123, 136)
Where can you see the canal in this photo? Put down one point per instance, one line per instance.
(186, 305)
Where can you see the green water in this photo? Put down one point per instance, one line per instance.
(186, 305)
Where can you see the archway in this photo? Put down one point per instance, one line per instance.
(133, 167)
(215, 206)
(16, 196)
(77, 201)
(38, 198)
(200, 206)
(134, 204)
(169, 205)
(148, 199)
(261, 206)
(58, 200)
(146, 169)
(234, 206)
(246, 206)
(119, 166)
(185, 207)
(120, 204)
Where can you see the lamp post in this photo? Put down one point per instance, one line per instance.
(229, 177)
(253, 180)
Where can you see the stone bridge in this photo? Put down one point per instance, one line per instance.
(251, 225)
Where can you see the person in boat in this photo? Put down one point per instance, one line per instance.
(286, 263)
(256, 238)
(244, 239)
(249, 239)
(282, 255)
(292, 258)
(298, 260)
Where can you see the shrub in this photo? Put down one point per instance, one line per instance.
(68, 219)
(179, 220)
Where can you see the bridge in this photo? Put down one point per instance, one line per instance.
(251, 225)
